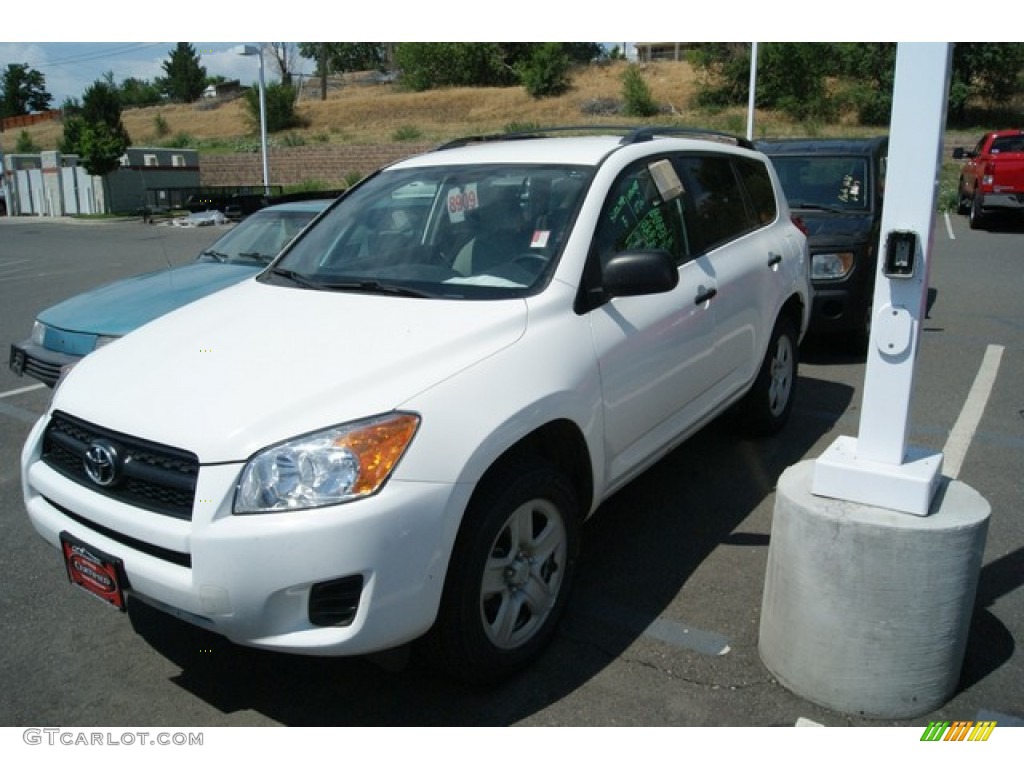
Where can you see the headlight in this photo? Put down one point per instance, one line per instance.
(38, 333)
(831, 266)
(329, 467)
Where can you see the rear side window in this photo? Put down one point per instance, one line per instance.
(759, 187)
(716, 210)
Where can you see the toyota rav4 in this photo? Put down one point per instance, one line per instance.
(395, 431)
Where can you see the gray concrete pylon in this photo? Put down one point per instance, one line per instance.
(866, 611)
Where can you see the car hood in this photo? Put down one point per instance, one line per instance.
(828, 227)
(257, 364)
(121, 307)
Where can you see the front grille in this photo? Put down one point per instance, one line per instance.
(21, 362)
(152, 476)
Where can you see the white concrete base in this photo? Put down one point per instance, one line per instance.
(909, 487)
(866, 610)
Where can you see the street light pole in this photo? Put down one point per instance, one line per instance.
(257, 50)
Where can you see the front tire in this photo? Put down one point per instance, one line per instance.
(765, 409)
(509, 577)
(963, 202)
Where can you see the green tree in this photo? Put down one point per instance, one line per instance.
(22, 90)
(723, 74)
(546, 73)
(135, 92)
(101, 149)
(989, 73)
(436, 65)
(97, 134)
(868, 68)
(344, 57)
(186, 77)
(26, 144)
(71, 141)
(791, 78)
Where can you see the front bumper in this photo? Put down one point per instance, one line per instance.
(253, 578)
(30, 359)
(842, 306)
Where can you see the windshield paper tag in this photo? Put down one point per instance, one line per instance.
(460, 201)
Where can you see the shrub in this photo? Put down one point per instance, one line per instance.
(516, 127)
(280, 104)
(407, 133)
(181, 140)
(160, 126)
(26, 144)
(637, 94)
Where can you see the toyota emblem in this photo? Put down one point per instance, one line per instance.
(101, 463)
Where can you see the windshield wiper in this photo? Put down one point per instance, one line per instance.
(256, 255)
(215, 255)
(817, 207)
(296, 278)
(375, 286)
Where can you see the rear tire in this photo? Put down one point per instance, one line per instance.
(976, 217)
(766, 407)
(509, 577)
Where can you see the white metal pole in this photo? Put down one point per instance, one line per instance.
(263, 128)
(878, 468)
(915, 157)
(753, 91)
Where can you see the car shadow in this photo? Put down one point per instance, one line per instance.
(1004, 222)
(639, 550)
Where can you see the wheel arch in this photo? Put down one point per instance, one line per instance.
(797, 309)
(559, 443)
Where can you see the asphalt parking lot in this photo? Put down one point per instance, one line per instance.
(663, 626)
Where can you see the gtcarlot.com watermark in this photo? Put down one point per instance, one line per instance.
(68, 737)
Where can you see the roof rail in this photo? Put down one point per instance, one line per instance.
(633, 134)
(646, 133)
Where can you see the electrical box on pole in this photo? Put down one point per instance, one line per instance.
(878, 467)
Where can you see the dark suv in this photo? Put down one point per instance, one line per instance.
(835, 186)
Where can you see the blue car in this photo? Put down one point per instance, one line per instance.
(66, 332)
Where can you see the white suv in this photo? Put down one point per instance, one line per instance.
(396, 430)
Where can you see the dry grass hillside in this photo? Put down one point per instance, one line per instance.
(372, 113)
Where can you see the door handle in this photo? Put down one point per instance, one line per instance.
(706, 295)
(774, 259)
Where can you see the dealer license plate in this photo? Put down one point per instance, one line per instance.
(94, 571)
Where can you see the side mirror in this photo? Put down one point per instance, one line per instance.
(639, 273)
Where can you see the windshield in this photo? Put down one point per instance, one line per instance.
(258, 238)
(476, 232)
(831, 183)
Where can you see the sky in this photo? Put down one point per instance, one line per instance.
(71, 67)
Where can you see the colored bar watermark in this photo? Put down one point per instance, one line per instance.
(958, 730)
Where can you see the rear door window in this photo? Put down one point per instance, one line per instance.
(716, 210)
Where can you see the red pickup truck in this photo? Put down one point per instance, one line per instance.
(992, 179)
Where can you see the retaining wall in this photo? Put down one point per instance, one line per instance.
(329, 164)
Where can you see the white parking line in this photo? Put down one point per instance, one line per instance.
(14, 392)
(949, 226)
(960, 436)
